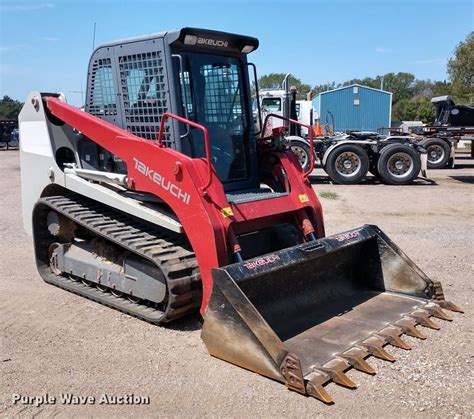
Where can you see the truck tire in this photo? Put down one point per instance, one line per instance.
(347, 164)
(438, 152)
(398, 164)
(302, 152)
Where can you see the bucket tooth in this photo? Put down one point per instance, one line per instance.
(335, 370)
(291, 369)
(448, 305)
(423, 317)
(314, 387)
(374, 346)
(392, 335)
(437, 312)
(408, 327)
(355, 357)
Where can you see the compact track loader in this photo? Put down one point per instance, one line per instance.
(162, 198)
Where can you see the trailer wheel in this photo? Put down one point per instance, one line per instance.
(438, 152)
(347, 164)
(302, 152)
(398, 164)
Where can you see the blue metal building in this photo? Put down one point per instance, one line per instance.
(355, 107)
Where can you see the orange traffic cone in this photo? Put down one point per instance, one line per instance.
(318, 131)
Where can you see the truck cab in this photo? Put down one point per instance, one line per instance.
(278, 101)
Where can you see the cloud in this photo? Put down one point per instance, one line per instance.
(430, 61)
(25, 7)
(8, 48)
(381, 50)
(15, 71)
(49, 39)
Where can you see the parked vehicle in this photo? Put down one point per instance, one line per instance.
(278, 101)
(9, 133)
(345, 157)
(348, 157)
(453, 123)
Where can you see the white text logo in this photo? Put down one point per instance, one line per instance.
(213, 42)
(151, 174)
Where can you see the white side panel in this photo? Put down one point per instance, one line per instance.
(34, 138)
(128, 205)
(36, 157)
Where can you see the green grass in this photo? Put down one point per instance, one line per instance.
(328, 195)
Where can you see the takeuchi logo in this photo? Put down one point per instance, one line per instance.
(212, 42)
(261, 261)
(161, 181)
(347, 236)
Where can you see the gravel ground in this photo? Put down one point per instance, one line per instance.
(54, 342)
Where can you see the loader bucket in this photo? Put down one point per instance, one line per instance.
(306, 314)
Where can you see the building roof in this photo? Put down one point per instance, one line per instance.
(350, 86)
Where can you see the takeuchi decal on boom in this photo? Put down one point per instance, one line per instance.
(161, 181)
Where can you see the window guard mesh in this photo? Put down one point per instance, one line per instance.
(103, 97)
(144, 95)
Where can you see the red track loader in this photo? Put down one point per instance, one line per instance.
(162, 198)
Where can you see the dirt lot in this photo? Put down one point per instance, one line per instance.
(54, 342)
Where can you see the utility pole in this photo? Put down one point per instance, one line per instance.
(82, 96)
(81, 92)
(93, 37)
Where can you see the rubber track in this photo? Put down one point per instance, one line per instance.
(169, 252)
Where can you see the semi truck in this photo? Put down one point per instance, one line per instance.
(346, 157)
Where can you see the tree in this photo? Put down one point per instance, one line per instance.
(417, 108)
(461, 70)
(442, 88)
(9, 108)
(400, 84)
(323, 88)
(425, 111)
(367, 81)
(404, 110)
(430, 89)
(423, 88)
(274, 81)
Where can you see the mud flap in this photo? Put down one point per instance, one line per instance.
(452, 155)
(305, 314)
(424, 165)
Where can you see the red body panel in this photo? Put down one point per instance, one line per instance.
(197, 199)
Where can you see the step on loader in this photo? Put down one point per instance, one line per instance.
(162, 198)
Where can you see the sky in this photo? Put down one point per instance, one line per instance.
(45, 45)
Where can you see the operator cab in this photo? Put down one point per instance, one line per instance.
(198, 74)
(211, 71)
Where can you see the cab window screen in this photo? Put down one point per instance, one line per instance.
(213, 95)
(144, 93)
(103, 95)
(223, 101)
